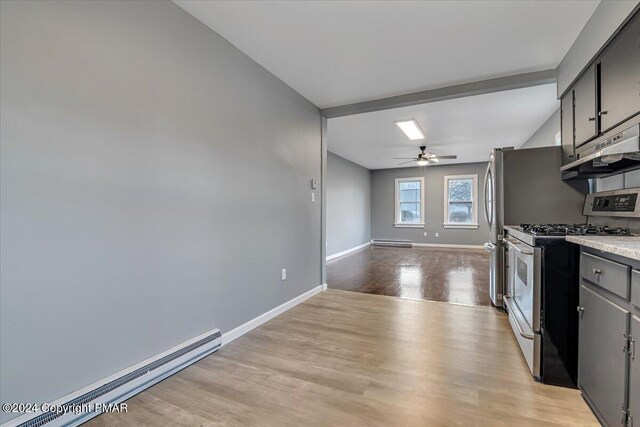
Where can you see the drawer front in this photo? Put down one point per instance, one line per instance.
(610, 275)
(635, 288)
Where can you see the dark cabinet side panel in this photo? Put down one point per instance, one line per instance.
(566, 123)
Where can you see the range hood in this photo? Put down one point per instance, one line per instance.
(607, 156)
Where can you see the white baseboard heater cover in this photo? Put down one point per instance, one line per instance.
(393, 243)
(128, 385)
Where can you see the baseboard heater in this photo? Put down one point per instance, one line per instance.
(126, 386)
(392, 243)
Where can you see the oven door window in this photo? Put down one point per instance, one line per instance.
(524, 286)
(522, 271)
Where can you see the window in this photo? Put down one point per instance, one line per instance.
(460, 196)
(409, 202)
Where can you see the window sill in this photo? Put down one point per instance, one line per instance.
(465, 226)
(400, 225)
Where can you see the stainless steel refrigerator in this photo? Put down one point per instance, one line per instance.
(525, 187)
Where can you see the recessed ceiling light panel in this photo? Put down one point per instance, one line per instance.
(411, 129)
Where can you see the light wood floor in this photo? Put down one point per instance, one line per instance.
(352, 359)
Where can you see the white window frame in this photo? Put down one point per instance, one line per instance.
(474, 206)
(397, 222)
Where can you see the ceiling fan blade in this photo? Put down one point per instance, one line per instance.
(445, 157)
(404, 158)
(404, 163)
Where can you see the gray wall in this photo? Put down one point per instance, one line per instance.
(545, 136)
(348, 204)
(383, 205)
(527, 176)
(605, 21)
(154, 181)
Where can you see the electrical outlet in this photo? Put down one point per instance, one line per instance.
(313, 196)
(437, 234)
(284, 274)
(425, 234)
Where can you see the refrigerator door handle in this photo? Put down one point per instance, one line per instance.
(486, 202)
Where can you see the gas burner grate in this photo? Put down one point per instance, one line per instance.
(574, 229)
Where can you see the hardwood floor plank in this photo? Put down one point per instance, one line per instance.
(346, 358)
(458, 276)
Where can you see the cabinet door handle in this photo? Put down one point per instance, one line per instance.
(580, 310)
(602, 113)
(632, 348)
(592, 119)
(597, 272)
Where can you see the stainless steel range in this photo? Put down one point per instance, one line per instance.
(513, 197)
(528, 233)
(541, 290)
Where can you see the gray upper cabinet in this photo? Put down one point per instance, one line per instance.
(620, 77)
(585, 114)
(602, 363)
(605, 96)
(634, 372)
(566, 122)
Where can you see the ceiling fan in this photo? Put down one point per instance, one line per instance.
(424, 158)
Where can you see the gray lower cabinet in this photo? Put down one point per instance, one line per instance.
(634, 373)
(602, 361)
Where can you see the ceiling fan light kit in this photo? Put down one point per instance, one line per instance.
(424, 158)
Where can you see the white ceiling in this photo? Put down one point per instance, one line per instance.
(468, 127)
(339, 52)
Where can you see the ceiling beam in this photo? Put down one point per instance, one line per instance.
(516, 81)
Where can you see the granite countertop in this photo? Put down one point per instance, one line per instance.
(625, 246)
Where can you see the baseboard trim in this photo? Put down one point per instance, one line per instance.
(170, 369)
(348, 251)
(444, 245)
(231, 335)
(126, 391)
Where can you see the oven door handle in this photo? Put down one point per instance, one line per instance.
(522, 332)
(513, 306)
(524, 251)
